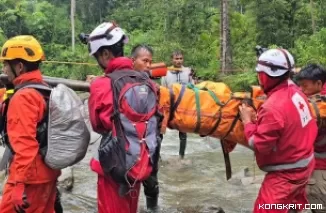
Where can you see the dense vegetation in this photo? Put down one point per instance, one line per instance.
(189, 25)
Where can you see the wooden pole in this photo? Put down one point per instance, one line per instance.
(157, 70)
(53, 81)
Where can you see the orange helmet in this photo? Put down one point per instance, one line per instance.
(24, 47)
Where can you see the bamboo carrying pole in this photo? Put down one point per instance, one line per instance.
(54, 81)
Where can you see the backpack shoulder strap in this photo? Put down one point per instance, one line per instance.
(37, 86)
(43, 89)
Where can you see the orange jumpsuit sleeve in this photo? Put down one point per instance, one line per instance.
(26, 109)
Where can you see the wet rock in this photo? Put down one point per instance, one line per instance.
(245, 172)
(220, 210)
(66, 179)
(252, 180)
(177, 163)
(237, 177)
(152, 211)
(213, 143)
(214, 209)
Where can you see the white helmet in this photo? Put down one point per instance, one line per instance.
(106, 34)
(275, 62)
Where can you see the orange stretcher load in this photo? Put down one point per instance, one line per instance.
(211, 109)
(208, 108)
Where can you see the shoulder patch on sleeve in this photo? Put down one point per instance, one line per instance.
(302, 108)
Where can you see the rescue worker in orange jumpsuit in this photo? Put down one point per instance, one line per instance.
(312, 79)
(282, 136)
(31, 184)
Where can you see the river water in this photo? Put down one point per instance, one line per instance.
(196, 184)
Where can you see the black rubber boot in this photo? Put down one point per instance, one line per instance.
(152, 205)
(183, 144)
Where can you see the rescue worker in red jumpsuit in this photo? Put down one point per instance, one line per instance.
(106, 44)
(100, 101)
(31, 184)
(282, 136)
(312, 79)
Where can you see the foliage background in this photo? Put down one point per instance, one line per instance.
(189, 25)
